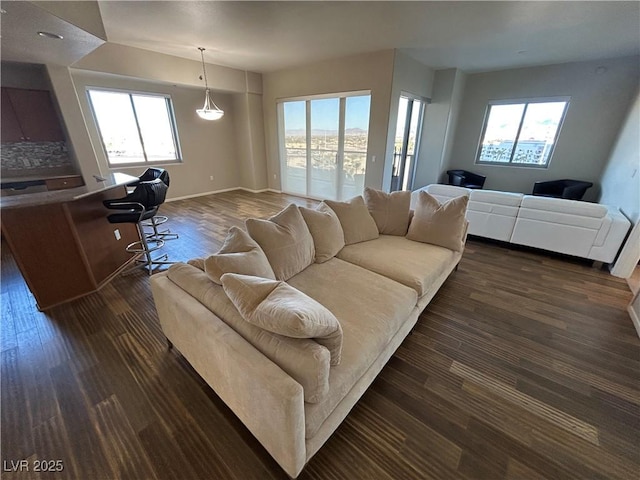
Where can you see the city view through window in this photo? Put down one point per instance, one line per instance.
(134, 128)
(325, 146)
(521, 133)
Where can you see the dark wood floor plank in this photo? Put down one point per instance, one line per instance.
(525, 365)
(51, 443)
(79, 424)
(16, 441)
(38, 391)
(161, 450)
(124, 452)
(8, 338)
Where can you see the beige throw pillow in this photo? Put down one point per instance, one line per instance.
(357, 223)
(197, 262)
(390, 211)
(279, 308)
(285, 240)
(239, 254)
(439, 224)
(325, 228)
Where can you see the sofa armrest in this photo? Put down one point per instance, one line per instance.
(267, 400)
(608, 243)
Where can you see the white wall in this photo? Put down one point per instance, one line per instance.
(598, 106)
(250, 143)
(621, 186)
(621, 175)
(373, 71)
(158, 67)
(440, 120)
(222, 149)
(208, 148)
(409, 76)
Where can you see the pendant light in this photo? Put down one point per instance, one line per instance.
(210, 111)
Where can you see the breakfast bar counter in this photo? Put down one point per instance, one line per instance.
(62, 241)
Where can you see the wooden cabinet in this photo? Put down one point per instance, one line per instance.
(61, 183)
(11, 131)
(66, 247)
(29, 115)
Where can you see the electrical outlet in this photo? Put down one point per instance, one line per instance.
(116, 233)
(275, 176)
(211, 177)
(373, 159)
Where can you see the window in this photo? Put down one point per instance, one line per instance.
(323, 145)
(521, 134)
(135, 128)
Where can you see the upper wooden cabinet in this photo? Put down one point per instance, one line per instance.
(29, 115)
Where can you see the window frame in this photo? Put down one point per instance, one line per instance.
(526, 102)
(342, 97)
(172, 121)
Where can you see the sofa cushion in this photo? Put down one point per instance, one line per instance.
(279, 308)
(357, 223)
(239, 254)
(371, 309)
(286, 241)
(442, 193)
(496, 197)
(390, 211)
(325, 228)
(410, 263)
(560, 205)
(305, 360)
(439, 224)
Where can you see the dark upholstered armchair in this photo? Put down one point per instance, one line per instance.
(462, 178)
(569, 189)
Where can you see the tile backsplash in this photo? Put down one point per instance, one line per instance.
(15, 156)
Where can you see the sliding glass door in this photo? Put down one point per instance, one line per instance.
(323, 145)
(410, 112)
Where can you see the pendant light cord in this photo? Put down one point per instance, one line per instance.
(209, 111)
(204, 70)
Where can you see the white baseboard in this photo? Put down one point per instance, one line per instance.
(212, 192)
(184, 197)
(252, 191)
(634, 319)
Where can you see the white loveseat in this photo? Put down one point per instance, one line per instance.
(582, 229)
(286, 390)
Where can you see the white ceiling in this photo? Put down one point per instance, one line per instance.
(473, 36)
(19, 24)
(267, 36)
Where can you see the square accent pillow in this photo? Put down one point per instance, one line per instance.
(239, 254)
(325, 228)
(390, 211)
(357, 223)
(279, 308)
(285, 240)
(439, 224)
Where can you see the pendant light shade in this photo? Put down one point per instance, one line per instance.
(209, 111)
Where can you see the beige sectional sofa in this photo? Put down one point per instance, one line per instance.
(286, 390)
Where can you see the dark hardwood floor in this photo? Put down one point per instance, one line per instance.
(524, 366)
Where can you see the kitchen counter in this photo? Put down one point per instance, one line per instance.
(112, 180)
(62, 241)
(16, 176)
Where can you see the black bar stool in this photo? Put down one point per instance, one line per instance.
(154, 222)
(137, 207)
